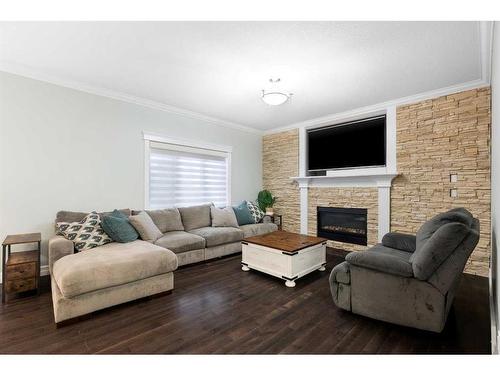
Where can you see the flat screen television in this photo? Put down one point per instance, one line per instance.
(353, 144)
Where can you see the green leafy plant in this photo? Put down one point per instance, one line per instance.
(265, 199)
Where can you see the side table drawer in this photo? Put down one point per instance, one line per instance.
(22, 285)
(21, 271)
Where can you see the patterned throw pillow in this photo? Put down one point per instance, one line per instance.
(256, 212)
(85, 234)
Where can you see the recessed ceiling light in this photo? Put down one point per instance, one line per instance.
(274, 96)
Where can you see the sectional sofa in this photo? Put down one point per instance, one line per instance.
(193, 239)
(120, 272)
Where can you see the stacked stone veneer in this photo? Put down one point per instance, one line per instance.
(280, 161)
(435, 138)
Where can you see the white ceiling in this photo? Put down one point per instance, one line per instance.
(219, 68)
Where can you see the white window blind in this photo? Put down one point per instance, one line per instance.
(186, 176)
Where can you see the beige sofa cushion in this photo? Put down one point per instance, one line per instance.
(111, 265)
(145, 226)
(218, 235)
(195, 216)
(223, 217)
(180, 241)
(166, 220)
(250, 230)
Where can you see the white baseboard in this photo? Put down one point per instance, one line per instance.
(44, 271)
(495, 348)
(495, 342)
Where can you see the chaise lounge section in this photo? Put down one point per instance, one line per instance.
(109, 275)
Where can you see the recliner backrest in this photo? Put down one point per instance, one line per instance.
(449, 271)
(438, 238)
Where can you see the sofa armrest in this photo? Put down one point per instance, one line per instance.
(58, 248)
(400, 241)
(380, 262)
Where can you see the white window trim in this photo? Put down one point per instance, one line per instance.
(180, 144)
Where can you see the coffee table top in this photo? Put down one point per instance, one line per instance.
(285, 241)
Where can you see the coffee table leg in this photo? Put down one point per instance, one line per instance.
(290, 283)
(244, 267)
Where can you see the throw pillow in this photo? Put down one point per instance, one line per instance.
(117, 226)
(256, 212)
(145, 226)
(223, 217)
(167, 220)
(194, 217)
(243, 214)
(85, 234)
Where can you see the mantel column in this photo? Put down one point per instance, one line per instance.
(384, 208)
(304, 188)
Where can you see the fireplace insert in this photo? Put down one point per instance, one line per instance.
(343, 224)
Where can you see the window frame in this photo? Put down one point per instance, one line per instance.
(185, 145)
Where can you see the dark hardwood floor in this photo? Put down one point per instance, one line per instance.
(217, 308)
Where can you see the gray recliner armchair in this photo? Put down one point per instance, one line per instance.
(409, 280)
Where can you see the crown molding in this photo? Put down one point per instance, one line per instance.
(485, 35)
(379, 107)
(28, 72)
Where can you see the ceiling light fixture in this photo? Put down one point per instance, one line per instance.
(274, 96)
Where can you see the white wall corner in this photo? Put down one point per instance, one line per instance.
(486, 46)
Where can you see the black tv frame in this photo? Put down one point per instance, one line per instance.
(318, 172)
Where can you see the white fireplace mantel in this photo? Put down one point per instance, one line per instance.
(348, 179)
(351, 178)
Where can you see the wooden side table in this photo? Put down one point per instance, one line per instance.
(276, 219)
(21, 269)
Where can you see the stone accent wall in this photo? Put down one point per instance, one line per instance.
(280, 161)
(345, 198)
(435, 138)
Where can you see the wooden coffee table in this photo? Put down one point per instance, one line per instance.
(284, 254)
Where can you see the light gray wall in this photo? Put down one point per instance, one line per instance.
(66, 149)
(495, 169)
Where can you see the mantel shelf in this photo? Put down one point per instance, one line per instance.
(347, 180)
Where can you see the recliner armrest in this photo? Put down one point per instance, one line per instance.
(380, 262)
(400, 241)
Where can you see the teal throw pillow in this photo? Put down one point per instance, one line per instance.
(117, 226)
(243, 214)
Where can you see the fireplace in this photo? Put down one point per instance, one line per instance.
(343, 224)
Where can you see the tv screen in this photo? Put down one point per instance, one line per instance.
(351, 145)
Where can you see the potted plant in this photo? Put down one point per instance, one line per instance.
(266, 201)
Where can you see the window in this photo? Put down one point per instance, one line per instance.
(180, 173)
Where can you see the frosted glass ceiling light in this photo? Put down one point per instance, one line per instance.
(274, 96)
